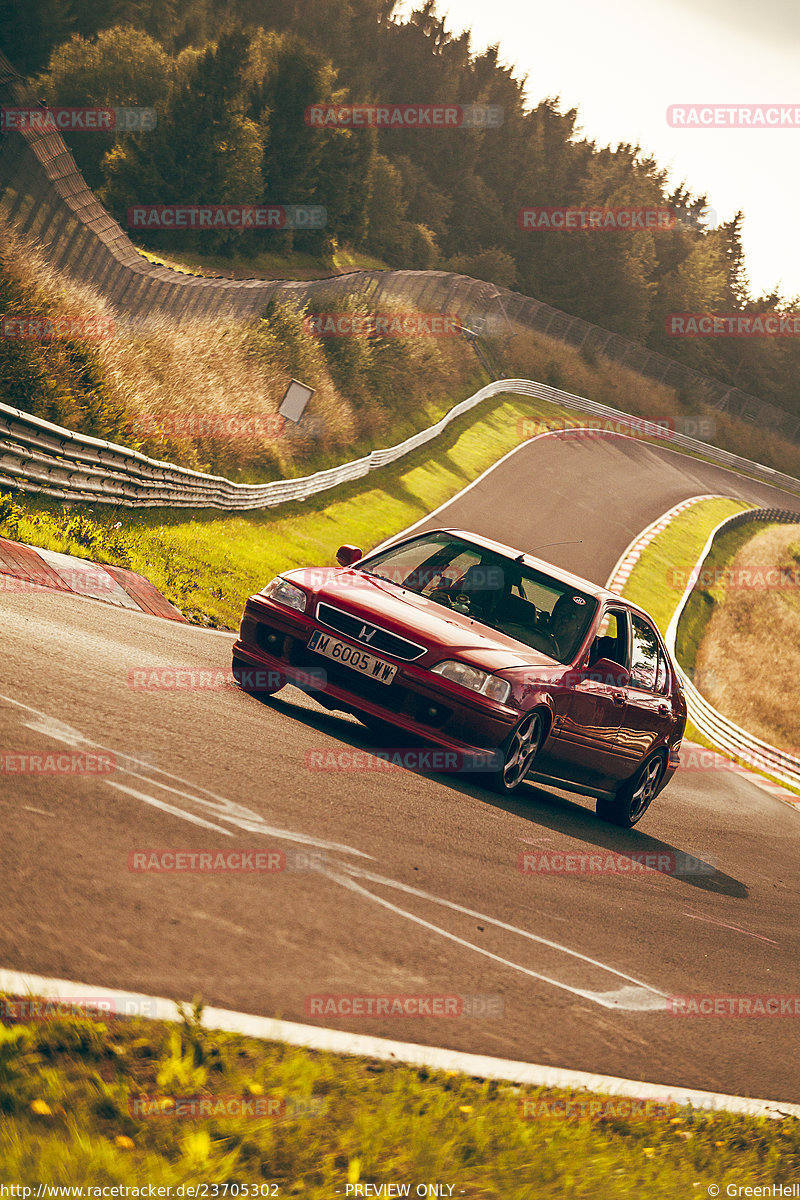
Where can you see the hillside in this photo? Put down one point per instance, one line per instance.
(232, 99)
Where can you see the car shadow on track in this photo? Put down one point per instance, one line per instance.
(563, 815)
(541, 806)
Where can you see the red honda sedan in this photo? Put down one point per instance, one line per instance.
(524, 671)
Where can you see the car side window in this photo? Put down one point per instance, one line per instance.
(646, 657)
(612, 638)
(662, 677)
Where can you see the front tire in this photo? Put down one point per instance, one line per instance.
(634, 796)
(257, 681)
(518, 750)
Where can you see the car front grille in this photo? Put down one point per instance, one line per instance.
(371, 637)
(393, 697)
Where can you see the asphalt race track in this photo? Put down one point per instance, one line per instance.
(600, 491)
(398, 883)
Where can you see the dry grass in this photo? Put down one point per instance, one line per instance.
(748, 663)
(562, 366)
(153, 385)
(150, 387)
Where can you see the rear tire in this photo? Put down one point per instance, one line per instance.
(518, 752)
(635, 796)
(257, 681)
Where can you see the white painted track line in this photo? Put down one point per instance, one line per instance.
(336, 1041)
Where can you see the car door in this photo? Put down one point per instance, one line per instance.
(648, 707)
(586, 747)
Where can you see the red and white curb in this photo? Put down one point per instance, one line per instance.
(336, 1041)
(616, 583)
(26, 568)
(630, 556)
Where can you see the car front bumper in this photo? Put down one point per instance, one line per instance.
(275, 639)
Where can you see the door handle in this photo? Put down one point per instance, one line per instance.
(618, 697)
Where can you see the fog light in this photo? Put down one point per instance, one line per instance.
(433, 712)
(272, 639)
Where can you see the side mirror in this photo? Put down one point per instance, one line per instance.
(347, 555)
(608, 672)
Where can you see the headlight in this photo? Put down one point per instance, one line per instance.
(285, 593)
(476, 680)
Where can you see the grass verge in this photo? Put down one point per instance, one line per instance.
(658, 579)
(268, 265)
(207, 563)
(705, 596)
(97, 1102)
(657, 583)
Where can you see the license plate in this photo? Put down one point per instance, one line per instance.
(351, 656)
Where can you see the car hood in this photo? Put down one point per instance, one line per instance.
(446, 633)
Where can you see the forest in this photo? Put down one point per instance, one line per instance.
(232, 85)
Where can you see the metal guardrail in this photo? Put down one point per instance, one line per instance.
(37, 456)
(742, 747)
(44, 194)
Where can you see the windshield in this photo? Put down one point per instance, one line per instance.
(494, 589)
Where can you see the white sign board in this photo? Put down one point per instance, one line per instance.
(295, 399)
